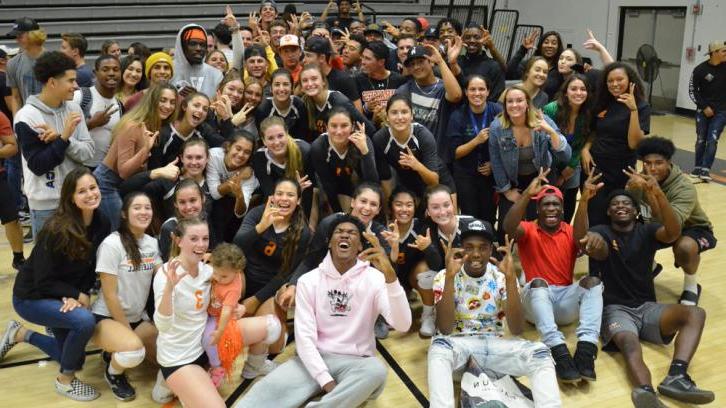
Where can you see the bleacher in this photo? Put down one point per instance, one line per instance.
(156, 22)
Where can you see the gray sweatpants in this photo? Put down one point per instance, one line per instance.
(290, 385)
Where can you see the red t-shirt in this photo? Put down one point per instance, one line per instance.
(550, 257)
(5, 129)
(225, 295)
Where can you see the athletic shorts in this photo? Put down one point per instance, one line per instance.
(99, 317)
(201, 361)
(644, 321)
(703, 237)
(8, 212)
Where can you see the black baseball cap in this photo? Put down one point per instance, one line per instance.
(318, 45)
(373, 28)
(477, 227)
(23, 25)
(431, 33)
(418, 51)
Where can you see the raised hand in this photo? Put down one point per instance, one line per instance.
(528, 41)
(455, 258)
(392, 234)
(542, 125)
(241, 116)
(304, 181)
(169, 172)
(422, 241)
(358, 138)
(628, 99)
(635, 180)
(100, 118)
(538, 182)
(454, 49)
(254, 22)
(408, 160)
(591, 186)
(173, 276)
(592, 43)
(149, 136)
(270, 215)
(506, 265)
(486, 38)
(592, 243)
(71, 122)
(434, 55)
(229, 19)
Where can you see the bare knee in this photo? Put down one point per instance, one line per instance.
(629, 344)
(590, 282)
(538, 283)
(685, 250)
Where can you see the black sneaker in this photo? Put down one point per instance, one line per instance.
(120, 386)
(696, 172)
(705, 175)
(565, 365)
(645, 399)
(682, 388)
(585, 360)
(18, 263)
(689, 298)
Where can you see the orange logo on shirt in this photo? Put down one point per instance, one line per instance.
(602, 114)
(200, 299)
(270, 248)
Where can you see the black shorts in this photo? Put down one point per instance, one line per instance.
(201, 361)
(8, 212)
(703, 237)
(99, 317)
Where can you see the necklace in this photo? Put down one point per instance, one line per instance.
(433, 88)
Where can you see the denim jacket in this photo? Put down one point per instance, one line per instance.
(505, 153)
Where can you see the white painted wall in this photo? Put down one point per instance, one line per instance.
(573, 17)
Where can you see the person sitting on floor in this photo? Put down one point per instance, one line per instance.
(336, 306)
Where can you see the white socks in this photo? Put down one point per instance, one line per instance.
(690, 283)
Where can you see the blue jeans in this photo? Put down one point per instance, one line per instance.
(15, 176)
(550, 306)
(516, 357)
(38, 219)
(111, 203)
(72, 330)
(708, 131)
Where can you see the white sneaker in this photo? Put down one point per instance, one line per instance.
(77, 390)
(8, 340)
(428, 324)
(250, 372)
(161, 394)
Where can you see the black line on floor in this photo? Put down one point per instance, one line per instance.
(37, 360)
(407, 381)
(246, 383)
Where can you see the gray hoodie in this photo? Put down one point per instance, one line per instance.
(203, 77)
(45, 165)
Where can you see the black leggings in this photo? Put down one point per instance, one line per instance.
(475, 195)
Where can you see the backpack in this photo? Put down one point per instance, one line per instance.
(87, 102)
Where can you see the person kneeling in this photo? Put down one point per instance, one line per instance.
(336, 306)
(472, 298)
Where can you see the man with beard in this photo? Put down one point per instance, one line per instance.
(190, 70)
(476, 61)
(375, 83)
(474, 296)
(336, 306)
(101, 108)
(548, 248)
(631, 314)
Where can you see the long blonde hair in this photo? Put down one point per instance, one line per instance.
(530, 121)
(294, 161)
(147, 112)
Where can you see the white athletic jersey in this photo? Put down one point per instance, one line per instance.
(133, 284)
(180, 336)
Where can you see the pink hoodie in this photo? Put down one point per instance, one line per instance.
(336, 313)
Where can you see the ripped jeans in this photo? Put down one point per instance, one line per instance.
(708, 131)
(516, 357)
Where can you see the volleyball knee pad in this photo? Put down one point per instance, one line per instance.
(273, 329)
(425, 279)
(130, 359)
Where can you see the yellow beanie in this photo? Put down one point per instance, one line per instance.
(158, 57)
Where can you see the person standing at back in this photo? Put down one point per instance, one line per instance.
(708, 83)
(75, 45)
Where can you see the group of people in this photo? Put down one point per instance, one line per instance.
(185, 202)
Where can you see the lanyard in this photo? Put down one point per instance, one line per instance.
(477, 126)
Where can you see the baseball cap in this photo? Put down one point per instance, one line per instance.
(548, 190)
(289, 40)
(479, 228)
(23, 25)
(418, 51)
(317, 45)
(431, 33)
(716, 46)
(373, 28)
(8, 51)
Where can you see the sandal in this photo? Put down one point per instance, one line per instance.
(689, 296)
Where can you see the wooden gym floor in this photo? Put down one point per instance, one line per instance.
(26, 380)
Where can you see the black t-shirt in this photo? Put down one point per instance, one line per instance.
(268, 172)
(483, 65)
(343, 82)
(338, 173)
(374, 92)
(627, 272)
(339, 22)
(708, 86)
(320, 115)
(409, 257)
(296, 118)
(388, 153)
(611, 127)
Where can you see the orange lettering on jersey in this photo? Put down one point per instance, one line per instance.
(270, 248)
(200, 300)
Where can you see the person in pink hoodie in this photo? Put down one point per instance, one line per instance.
(336, 306)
